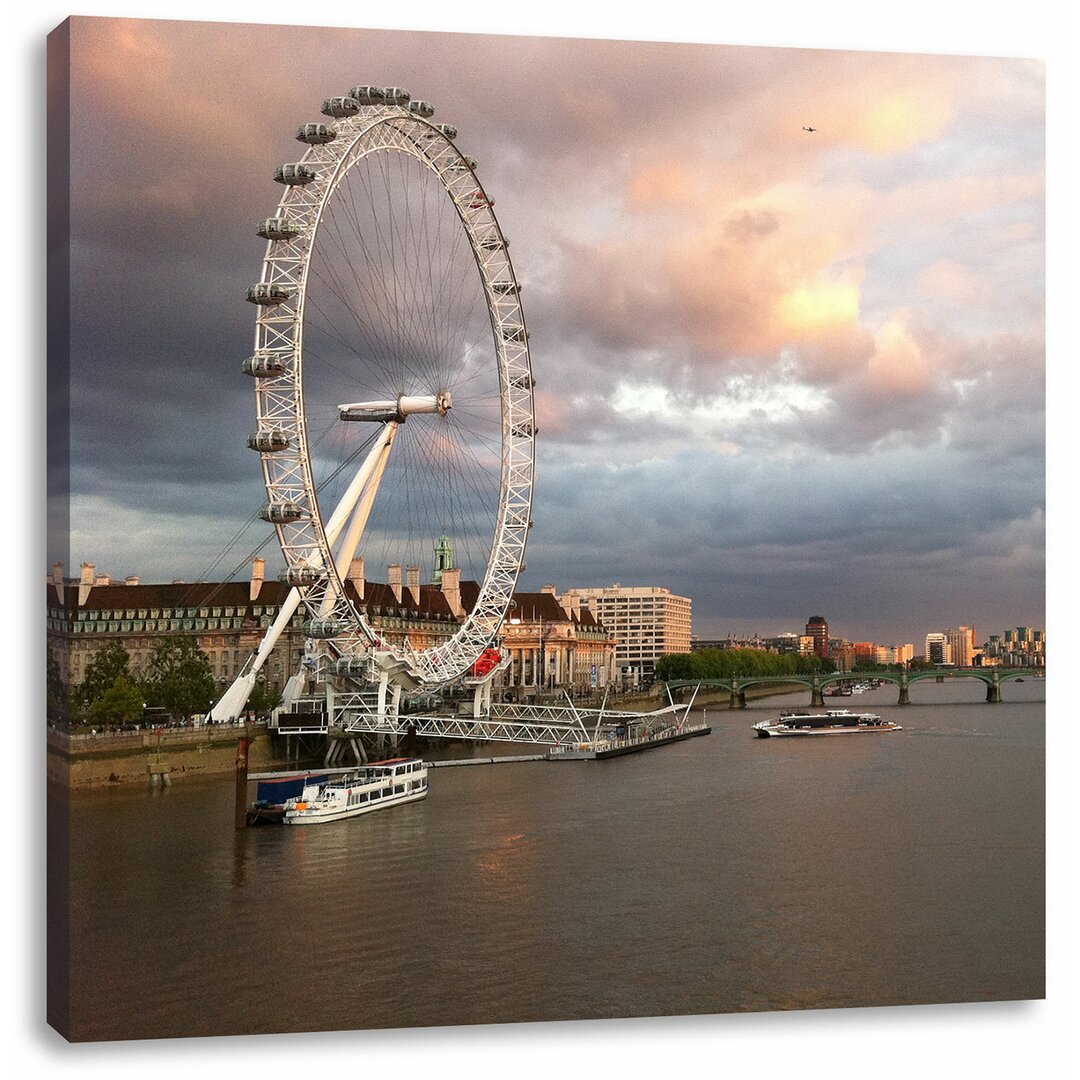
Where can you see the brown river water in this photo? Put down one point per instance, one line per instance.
(725, 873)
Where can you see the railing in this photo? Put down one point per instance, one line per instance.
(149, 739)
(636, 740)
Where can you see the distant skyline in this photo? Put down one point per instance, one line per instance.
(780, 372)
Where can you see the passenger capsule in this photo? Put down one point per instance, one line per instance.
(269, 441)
(448, 130)
(281, 513)
(395, 95)
(505, 288)
(340, 106)
(315, 134)
(524, 431)
(303, 575)
(470, 161)
(294, 175)
(515, 333)
(368, 95)
(268, 293)
(279, 228)
(422, 108)
(494, 243)
(352, 665)
(477, 199)
(324, 628)
(267, 365)
(523, 382)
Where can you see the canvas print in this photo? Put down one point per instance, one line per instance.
(539, 529)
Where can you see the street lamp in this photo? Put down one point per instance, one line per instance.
(514, 621)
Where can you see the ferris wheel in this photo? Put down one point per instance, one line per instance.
(393, 383)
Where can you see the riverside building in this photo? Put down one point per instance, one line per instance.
(1020, 647)
(554, 647)
(938, 649)
(818, 629)
(228, 619)
(647, 622)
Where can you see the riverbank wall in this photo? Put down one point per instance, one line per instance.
(97, 760)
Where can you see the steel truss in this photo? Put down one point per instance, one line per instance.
(364, 712)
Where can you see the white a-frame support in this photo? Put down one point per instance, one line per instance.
(363, 489)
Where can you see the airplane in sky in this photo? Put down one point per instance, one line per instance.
(809, 129)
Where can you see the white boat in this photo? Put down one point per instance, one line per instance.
(372, 787)
(831, 722)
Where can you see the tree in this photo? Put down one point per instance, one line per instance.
(109, 664)
(122, 703)
(56, 691)
(263, 698)
(725, 663)
(179, 677)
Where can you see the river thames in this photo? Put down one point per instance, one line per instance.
(722, 874)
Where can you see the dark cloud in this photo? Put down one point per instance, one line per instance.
(775, 373)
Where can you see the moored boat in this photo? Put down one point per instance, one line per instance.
(831, 722)
(371, 787)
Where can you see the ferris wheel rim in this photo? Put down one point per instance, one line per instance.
(306, 547)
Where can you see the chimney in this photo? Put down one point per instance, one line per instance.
(549, 589)
(572, 606)
(102, 579)
(57, 580)
(393, 579)
(131, 579)
(356, 576)
(86, 582)
(412, 579)
(258, 572)
(451, 587)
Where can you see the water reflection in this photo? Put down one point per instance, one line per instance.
(725, 873)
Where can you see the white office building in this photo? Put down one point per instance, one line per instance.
(647, 622)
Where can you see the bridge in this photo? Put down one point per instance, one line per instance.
(737, 685)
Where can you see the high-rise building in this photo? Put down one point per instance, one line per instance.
(962, 645)
(647, 621)
(818, 629)
(1022, 647)
(938, 649)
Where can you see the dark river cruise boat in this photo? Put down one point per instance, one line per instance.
(831, 722)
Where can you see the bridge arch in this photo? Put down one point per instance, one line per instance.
(736, 685)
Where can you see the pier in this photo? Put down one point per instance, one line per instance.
(615, 747)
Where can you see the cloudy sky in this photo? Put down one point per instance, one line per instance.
(782, 373)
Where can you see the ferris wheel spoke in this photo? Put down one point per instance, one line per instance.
(466, 487)
(380, 343)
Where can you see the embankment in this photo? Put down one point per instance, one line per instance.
(95, 760)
